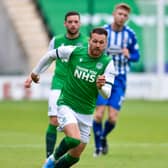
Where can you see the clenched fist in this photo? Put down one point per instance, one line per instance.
(35, 77)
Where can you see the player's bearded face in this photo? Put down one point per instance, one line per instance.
(72, 31)
(72, 24)
(97, 44)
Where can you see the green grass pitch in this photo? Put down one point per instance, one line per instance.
(139, 141)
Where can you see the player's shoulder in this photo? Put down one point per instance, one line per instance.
(106, 26)
(84, 36)
(80, 49)
(105, 57)
(129, 30)
(105, 60)
(59, 37)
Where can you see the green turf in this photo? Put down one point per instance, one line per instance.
(139, 141)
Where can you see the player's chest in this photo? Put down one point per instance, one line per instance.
(87, 69)
(89, 64)
(120, 39)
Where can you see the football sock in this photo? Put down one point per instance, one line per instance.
(51, 136)
(108, 127)
(97, 130)
(66, 161)
(66, 144)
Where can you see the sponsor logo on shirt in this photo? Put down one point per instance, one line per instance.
(85, 74)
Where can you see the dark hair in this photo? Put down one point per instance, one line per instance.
(71, 13)
(99, 30)
(123, 6)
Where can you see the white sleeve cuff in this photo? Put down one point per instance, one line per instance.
(105, 90)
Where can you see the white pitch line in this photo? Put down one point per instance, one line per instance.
(123, 145)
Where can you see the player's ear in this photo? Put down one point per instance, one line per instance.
(64, 23)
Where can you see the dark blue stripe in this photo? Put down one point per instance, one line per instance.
(109, 83)
(116, 38)
(123, 39)
(57, 54)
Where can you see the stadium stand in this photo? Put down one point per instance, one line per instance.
(29, 28)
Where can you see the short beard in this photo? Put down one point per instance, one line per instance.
(72, 33)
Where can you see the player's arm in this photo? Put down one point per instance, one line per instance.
(105, 81)
(62, 52)
(134, 54)
(133, 50)
(51, 44)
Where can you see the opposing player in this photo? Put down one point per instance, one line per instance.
(72, 37)
(123, 40)
(89, 71)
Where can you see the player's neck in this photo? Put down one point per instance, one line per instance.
(116, 27)
(72, 36)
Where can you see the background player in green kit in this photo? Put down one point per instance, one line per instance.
(90, 72)
(72, 37)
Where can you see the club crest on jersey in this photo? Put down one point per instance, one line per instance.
(79, 44)
(81, 59)
(99, 65)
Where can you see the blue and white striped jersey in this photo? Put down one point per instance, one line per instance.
(116, 42)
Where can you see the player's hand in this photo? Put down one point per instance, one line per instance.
(125, 52)
(100, 81)
(27, 83)
(35, 77)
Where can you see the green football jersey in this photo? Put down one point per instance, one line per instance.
(61, 65)
(79, 91)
